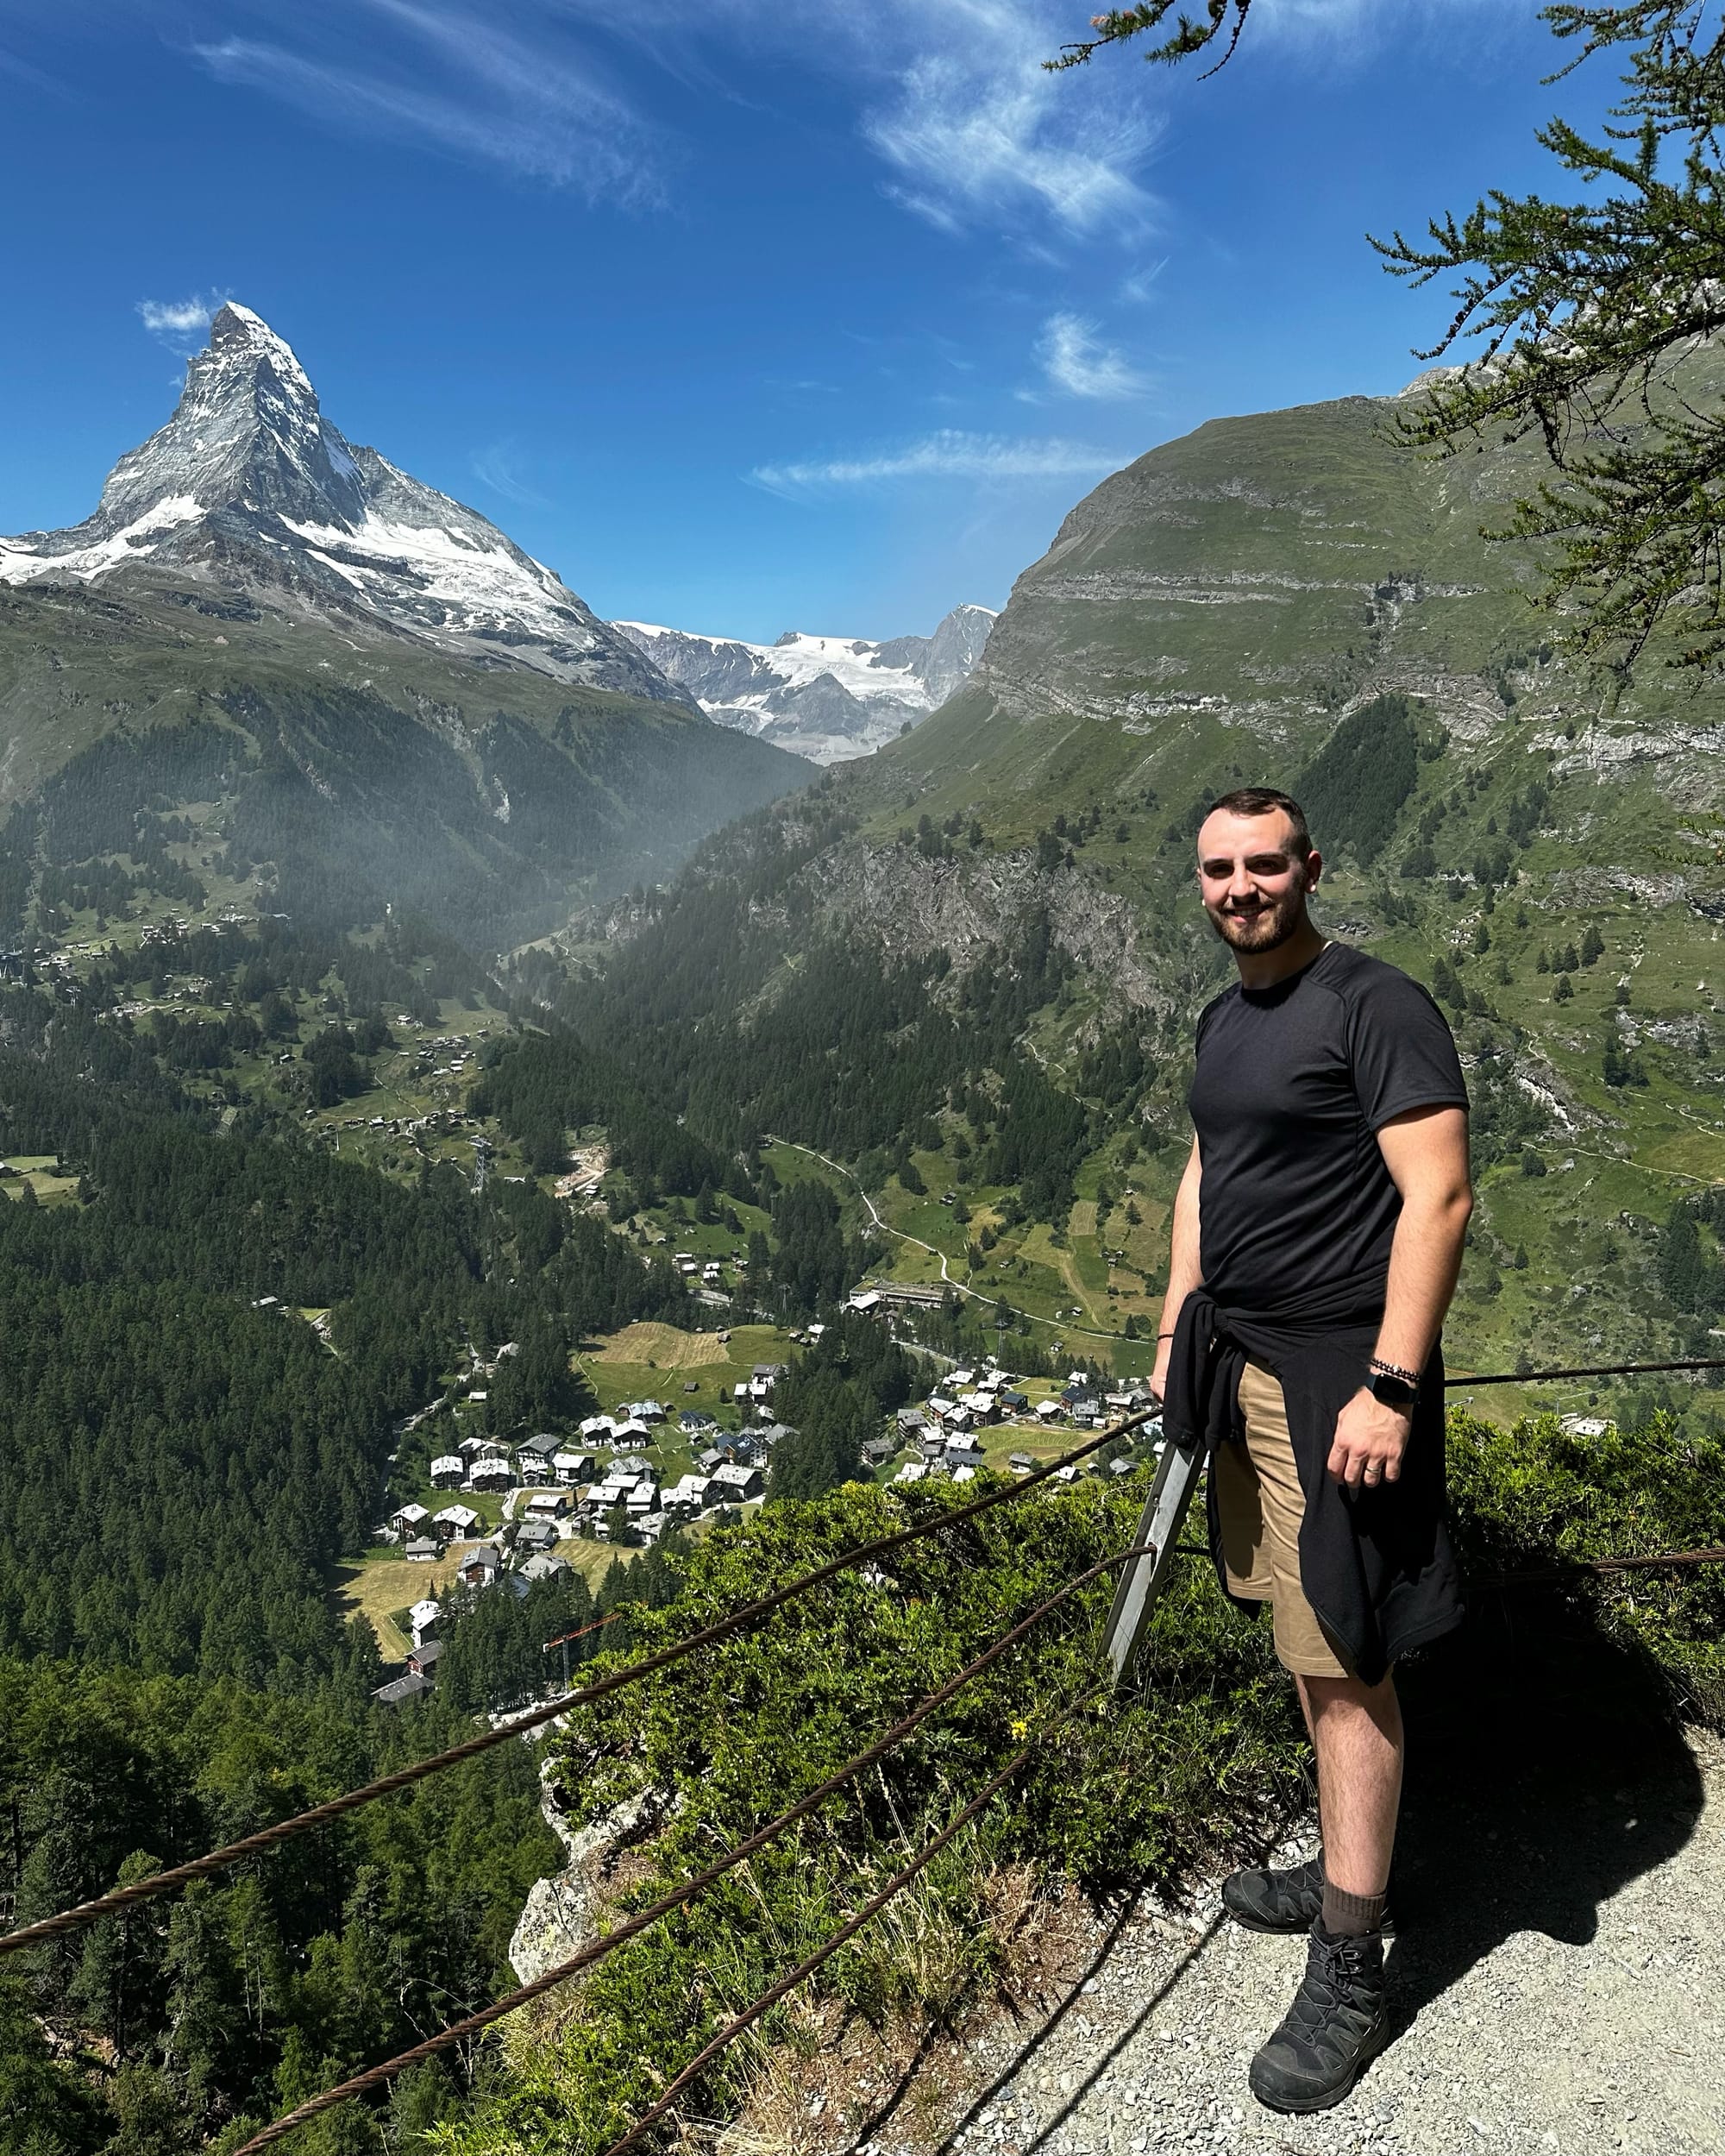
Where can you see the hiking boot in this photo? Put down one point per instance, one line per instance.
(1336, 2023)
(1289, 1901)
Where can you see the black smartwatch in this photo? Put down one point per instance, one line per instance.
(1394, 1393)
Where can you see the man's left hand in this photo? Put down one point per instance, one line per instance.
(1370, 1441)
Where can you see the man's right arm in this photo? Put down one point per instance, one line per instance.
(1183, 1270)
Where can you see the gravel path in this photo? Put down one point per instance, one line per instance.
(1559, 1985)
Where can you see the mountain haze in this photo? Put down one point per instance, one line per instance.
(357, 681)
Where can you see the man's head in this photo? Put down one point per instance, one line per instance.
(1256, 867)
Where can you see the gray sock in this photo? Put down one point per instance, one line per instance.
(1352, 1915)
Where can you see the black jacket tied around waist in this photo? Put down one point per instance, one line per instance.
(1377, 1564)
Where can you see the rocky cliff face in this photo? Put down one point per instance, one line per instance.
(250, 488)
(830, 699)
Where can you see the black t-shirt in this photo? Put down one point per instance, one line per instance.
(1293, 1083)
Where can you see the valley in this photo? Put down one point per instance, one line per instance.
(453, 1060)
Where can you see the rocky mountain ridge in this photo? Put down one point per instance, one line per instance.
(249, 488)
(830, 699)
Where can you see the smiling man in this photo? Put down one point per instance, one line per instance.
(1316, 1240)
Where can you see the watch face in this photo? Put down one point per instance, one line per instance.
(1391, 1391)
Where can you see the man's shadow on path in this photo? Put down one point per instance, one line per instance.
(1544, 1774)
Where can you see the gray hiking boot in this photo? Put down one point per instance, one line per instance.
(1336, 2023)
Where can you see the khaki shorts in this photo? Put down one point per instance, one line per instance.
(1261, 1505)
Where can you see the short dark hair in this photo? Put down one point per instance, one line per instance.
(1260, 801)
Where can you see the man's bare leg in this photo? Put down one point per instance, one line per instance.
(1357, 1735)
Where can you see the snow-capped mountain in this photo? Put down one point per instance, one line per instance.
(828, 698)
(249, 488)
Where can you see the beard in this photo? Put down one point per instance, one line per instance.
(1263, 927)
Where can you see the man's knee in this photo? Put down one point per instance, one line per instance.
(1345, 1699)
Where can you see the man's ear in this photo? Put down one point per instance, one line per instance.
(1314, 870)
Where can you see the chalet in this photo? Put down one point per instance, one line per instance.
(536, 1452)
(1020, 1463)
(600, 1427)
(542, 1565)
(912, 1421)
(932, 1444)
(646, 1410)
(401, 1689)
(866, 1299)
(734, 1482)
(693, 1424)
(491, 1473)
(480, 1567)
(457, 1521)
(911, 1471)
(712, 1457)
(963, 1452)
(961, 1380)
(447, 1471)
(548, 1504)
(533, 1536)
(984, 1405)
(422, 1620)
(1050, 1411)
(689, 1496)
(409, 1520)
(641, 1501)
(1015, 1400)
(939, 1406)
(876, 1451)
(424, 1549)
(1120, 1466)
(761, 1441)
(423, 1660)
(471, 1447)
(633, 1432)
(572, 1468)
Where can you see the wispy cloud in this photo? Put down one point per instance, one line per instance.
(498, 467)
(948, 454)
(979, 134)
(952, 98)
(528, 99)
(1077, 364)
(182, 325)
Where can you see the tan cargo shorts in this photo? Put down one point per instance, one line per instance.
(1261, 1505)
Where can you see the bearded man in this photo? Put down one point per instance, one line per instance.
(1317, 1236)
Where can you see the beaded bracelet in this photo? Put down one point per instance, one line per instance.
(1393, 1370)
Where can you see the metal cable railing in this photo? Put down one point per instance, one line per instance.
(268, 1837)
(630, 1928)
(177, 1876)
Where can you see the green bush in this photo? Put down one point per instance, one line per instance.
(1201, 1761)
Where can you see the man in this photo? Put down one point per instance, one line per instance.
(1316, 1240)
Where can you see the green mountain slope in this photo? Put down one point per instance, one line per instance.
(1289, 598)
(251, 755)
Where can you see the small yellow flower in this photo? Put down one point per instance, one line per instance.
(1021, 1729)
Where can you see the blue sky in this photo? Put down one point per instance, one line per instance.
(745, 315)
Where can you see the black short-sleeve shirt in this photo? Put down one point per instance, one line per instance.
(1293, 1084)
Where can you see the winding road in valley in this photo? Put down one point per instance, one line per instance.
(958, 1287)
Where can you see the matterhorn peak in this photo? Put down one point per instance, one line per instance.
(250, 486)
(235, 333)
